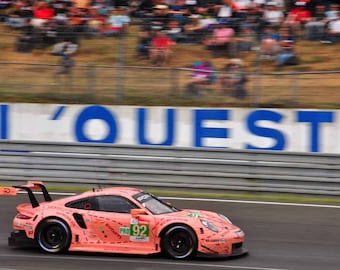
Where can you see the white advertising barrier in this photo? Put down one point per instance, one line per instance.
(297, 130)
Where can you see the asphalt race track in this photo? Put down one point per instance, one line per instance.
(279, 237)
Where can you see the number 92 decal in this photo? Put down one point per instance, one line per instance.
(139, 232)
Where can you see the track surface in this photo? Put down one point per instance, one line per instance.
(279, 237)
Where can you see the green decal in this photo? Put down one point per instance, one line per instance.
(195, 215)
(139, 232)
(124, 231)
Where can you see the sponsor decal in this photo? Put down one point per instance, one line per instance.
(143, 198)
(195, 215)
(134, 221)
(216, 241)
(124, 231)
(139, 232)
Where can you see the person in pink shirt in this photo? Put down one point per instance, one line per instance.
(220, 40)
(221, 35)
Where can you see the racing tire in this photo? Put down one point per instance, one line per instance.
(53, 236)
(179, 242)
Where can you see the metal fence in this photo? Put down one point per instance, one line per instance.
(219, 170)
(161, 86)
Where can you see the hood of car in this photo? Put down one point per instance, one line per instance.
(218, 220)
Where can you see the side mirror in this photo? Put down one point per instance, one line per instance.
(137, 212)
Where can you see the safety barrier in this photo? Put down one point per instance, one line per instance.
(168, 167)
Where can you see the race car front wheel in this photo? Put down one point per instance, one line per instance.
(53, 235)
(179, 242)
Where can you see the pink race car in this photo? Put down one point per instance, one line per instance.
(120, 220)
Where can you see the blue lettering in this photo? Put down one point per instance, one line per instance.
(58, 113)
(201, 132)
(96, 112)
(264, 131)
(170, 127)
(315, 118)
(4, 122)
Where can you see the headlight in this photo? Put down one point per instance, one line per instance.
(224, 217)
(240, 233)
(209, 225)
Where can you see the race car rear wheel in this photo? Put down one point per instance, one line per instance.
(179, 242)
(53, 235)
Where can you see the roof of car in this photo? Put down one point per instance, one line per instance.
(114, 191)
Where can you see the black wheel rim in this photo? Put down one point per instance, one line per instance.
(53, 236)
(180, 243)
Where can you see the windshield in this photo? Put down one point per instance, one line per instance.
(155, 205)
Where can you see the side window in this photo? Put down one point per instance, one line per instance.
(115, 204)
(85, 204)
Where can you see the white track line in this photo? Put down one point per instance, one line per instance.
(139, 261)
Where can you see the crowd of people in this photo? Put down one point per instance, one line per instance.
(225, 27)
(230, 24)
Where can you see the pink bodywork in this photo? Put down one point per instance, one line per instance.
(111, 232)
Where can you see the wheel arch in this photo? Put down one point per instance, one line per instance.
(51, 217)
(168, 226)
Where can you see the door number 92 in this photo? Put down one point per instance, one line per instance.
(139, 230)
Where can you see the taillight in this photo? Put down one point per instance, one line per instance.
(22, 216)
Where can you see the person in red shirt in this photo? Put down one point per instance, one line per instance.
(160, 48)
(42, 12)
(298, 16)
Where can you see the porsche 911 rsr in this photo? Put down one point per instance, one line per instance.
(120, 220)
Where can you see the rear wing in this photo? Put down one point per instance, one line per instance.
(28, 187)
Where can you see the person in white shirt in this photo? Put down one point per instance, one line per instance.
(273, 15)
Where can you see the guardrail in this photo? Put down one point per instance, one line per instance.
(192, 168)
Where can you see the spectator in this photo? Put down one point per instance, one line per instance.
(160, 15)
(203, 74)
(25, 41)
(144, 42)
(118, 22)
(225, 11)
(49, 33)
(246, 39)
(287, 54)
(315, 28)
(174, 31)
(101, 7)
(333, 12)
(65, 47)
(96, 23)
(66, 63)
(179, 11)
(234, 79)
(298, 17)
(69, 31)
(161, 48)
(81, 3)
(42, 12)
(243, 4)
(5, 9)
(270, 43)
(61, 9)
(194, 31)
(18, 14)
(333, 31)
(273, 15)
(221, 40)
